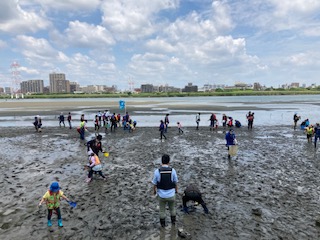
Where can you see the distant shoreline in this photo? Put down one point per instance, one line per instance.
(53, 106)
(225, 93)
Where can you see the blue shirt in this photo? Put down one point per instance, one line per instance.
(161, 128)
(165, 193)
(230, 137)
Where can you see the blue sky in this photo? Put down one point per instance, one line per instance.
(112, 42)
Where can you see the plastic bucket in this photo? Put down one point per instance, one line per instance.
(233, 149)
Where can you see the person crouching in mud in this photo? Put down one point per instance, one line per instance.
(94, 166)
(296, 118)
(95, 145)
(192, 193)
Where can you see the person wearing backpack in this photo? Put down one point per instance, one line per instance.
(113, 120)
(165, 186)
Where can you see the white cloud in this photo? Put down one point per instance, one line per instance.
(65, 5)
(148, 63)
(107, 67)
(160, 45)
(304, 59)
(221, 16)
(29, 70)
(82, 34)
(36, 49)
(162, 41)
(276, 16)
(200, 40)
(40, 56)
(15, 20)
(133, 19)
(312, 31)
(190, 28)
(200, 47)
(284, 8)
(220, 49)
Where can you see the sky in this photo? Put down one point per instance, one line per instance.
(175, 42)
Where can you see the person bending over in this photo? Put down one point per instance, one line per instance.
(192, 193)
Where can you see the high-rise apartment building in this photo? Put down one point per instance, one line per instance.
(190, 88)
(8, 90)
(147, 88)
(74, 87)
(32, 86)
(58, 83)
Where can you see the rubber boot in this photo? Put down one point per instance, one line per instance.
(60, 223)
(163, 222)
(173, 220)
(206, 211)
(49, 223)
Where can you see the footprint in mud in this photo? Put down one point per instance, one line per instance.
(5, 226)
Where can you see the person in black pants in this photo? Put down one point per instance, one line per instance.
(192, 193)
(162, 128)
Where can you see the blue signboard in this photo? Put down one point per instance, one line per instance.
(122, 104)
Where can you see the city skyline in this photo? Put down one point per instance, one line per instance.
(130, 43)
(59, 84)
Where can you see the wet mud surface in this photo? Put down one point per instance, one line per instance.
(270, 190)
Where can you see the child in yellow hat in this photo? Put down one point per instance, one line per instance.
(52, 199)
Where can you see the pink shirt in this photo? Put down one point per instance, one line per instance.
(92, 159)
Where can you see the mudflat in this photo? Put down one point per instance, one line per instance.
(268, 191)
(39, 107)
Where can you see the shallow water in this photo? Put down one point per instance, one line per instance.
(269, 110)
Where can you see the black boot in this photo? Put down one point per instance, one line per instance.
(205, 209)
(163, 222)
(173, 220)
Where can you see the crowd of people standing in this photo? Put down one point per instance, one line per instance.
(165, 178)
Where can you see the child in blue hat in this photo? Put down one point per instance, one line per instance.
(52, 199)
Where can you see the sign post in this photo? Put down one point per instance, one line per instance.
(122, 105)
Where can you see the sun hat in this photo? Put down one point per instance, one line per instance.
(54, 187)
